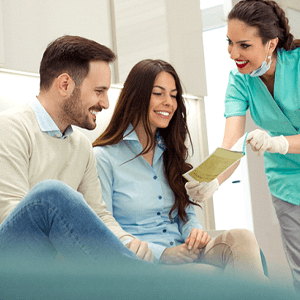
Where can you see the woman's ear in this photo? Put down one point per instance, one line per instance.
(65, 85)
(273, 44)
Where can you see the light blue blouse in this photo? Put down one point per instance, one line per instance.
(279, 116)
(139, 196)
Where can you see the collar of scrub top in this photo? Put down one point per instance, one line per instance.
(46, 123)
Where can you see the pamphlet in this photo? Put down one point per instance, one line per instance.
(218, 162)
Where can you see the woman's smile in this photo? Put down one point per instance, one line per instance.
(163, 114)
(241, 63)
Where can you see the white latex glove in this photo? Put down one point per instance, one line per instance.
(200, 192)
(260, 141)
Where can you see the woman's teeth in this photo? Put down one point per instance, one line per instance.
(241, 62)
(164, 113)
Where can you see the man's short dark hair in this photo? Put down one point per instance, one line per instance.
(71, 55)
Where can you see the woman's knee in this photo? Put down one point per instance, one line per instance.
(241, 237)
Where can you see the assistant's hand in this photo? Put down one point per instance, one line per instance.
(260, 141)
(179, 255)
(197, 239)
(200, 192)
(141, 250)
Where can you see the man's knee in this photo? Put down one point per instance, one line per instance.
(50, 185)
(51, 190)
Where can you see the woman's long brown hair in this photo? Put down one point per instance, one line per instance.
(133, 107)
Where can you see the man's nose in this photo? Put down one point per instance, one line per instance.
(104, 102)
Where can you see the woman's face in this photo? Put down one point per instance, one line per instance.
(245, 46)
(163, 101)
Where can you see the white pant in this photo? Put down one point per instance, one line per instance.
(234, 252)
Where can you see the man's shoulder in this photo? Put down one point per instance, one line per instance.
(80, 143)
(79, 136)
(23, 114)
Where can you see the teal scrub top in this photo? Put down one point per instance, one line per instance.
(279, 116)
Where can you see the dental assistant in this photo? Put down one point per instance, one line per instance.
(266, 81)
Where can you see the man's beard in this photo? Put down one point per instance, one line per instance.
(75, 112)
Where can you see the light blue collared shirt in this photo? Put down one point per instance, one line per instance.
(46, 123)
(139, 195)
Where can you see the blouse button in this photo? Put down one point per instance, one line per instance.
(158, 213)
(159, 197)
(165, 230)
(154, 177)
(171, 243)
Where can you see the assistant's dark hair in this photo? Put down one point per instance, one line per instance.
(133, 107)
(270, 20)
(72, 55)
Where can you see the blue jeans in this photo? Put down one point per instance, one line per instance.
(54, 218)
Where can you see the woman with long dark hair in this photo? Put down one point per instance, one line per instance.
(141, 157)
(267, 81)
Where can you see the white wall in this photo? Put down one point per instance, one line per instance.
(30, 25)
(1, 37)
(294, 17)
(165, 29)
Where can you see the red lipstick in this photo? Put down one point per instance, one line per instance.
(241, 65)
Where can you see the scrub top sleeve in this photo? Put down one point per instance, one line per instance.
(105, 175)
(236, 99)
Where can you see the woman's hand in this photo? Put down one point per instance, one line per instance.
(179, 255)
(197, 239)
(141, 250)
(260, 141)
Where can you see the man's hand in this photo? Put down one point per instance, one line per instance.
(198, 239)
(200, 192)
(179, 255)
(260, 141)
(141, 250)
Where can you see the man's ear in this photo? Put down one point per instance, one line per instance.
(65, 85)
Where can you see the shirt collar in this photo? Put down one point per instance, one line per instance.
(130, 136)
(133, 137)
(45, 121)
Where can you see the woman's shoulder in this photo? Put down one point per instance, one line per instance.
(106, 148)
(236, 75)
(237, 80)
(285, 55)
(109, 150)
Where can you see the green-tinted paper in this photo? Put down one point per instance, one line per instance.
(218, 162)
